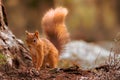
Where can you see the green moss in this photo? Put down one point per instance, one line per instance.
(2, 59)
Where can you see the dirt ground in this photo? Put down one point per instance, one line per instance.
(105, 72)
(108, 71)
(72, 73)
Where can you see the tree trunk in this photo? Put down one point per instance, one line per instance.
(17, 55)
(117, 10)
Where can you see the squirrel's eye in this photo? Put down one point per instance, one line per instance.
(29, 46)
(34, 40)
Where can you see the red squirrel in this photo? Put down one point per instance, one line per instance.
(47, 50)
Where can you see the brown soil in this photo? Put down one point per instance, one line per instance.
(71, 73)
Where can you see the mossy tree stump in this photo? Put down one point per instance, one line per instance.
(17, 55)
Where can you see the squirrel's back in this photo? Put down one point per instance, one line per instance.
(54, 27)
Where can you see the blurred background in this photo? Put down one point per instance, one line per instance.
(96, 21)
(89, 20)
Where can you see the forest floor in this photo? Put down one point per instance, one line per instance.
(109, 71)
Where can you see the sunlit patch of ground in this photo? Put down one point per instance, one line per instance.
(86, 55)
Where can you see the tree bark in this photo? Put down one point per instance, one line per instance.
(17, 55)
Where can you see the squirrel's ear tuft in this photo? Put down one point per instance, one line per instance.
(37, 34)
(26, 32)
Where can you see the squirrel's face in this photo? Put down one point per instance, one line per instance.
(32, 38)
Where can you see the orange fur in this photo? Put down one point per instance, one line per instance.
(53, 24)
(42, 50)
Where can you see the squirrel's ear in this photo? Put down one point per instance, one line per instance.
(37, 34)
(26, 32)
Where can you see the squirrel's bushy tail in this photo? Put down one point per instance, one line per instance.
(54, 27)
